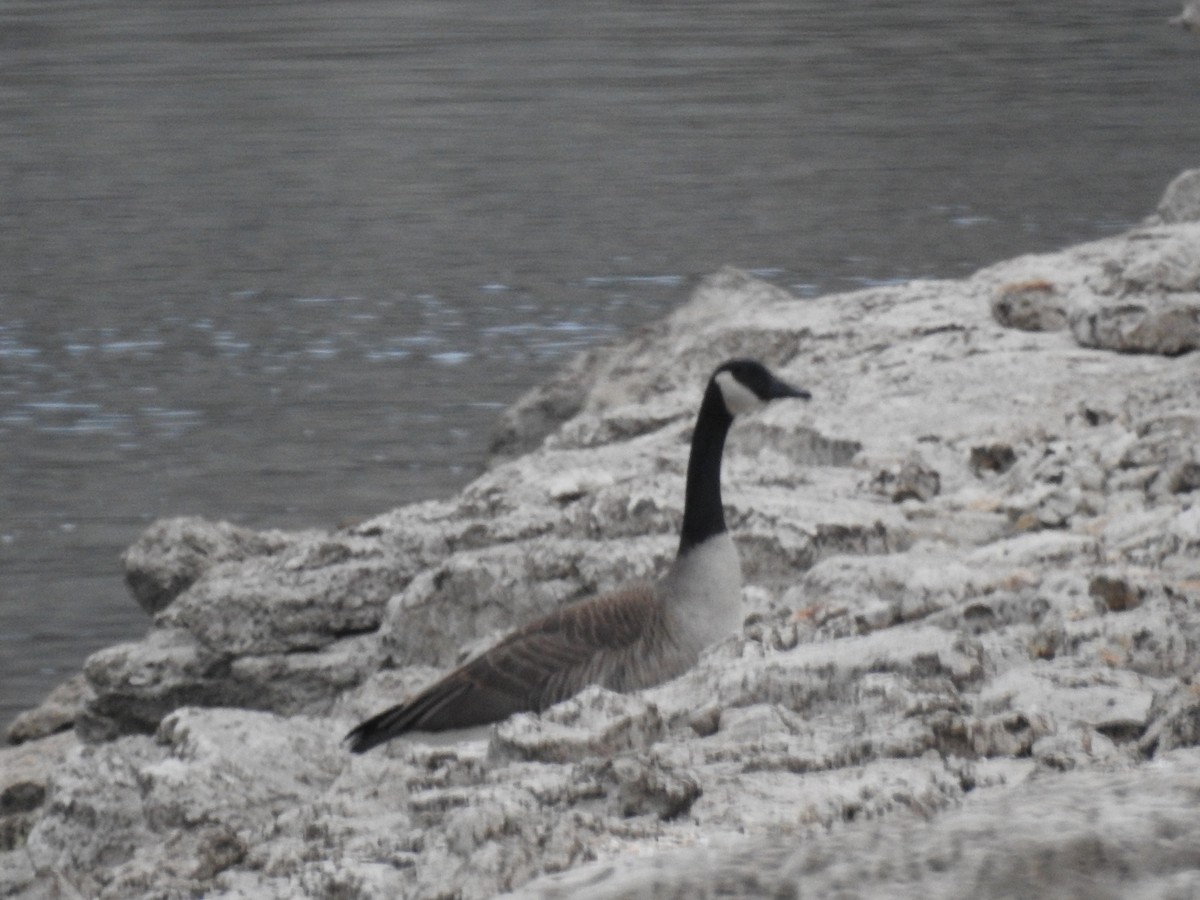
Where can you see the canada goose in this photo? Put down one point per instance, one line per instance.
(625, 640)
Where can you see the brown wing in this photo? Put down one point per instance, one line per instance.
(546, 661)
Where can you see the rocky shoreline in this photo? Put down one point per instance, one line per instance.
(970, 656)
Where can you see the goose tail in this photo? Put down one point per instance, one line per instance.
(421, 713)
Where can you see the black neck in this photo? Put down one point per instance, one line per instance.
(703, 516)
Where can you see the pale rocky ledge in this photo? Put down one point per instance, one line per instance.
(968, 668)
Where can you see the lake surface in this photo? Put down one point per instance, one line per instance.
(283, 263)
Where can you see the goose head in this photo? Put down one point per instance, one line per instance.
(745, 385)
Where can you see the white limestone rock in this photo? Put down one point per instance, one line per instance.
(172, 553)
(25, 773)
(969, 659)
(573, 731)
(56, 713)
(1084, 834)
(302, 600)
(1181, 200)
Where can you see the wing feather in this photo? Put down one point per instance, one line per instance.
(542, 663)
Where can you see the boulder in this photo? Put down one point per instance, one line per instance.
(173, 553)
(1029, 306)
(1151, 327)
(1181, 200)
(56, 713)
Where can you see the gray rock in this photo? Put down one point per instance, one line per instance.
(1170, 266)
(1152, 327)
(1084, 834)
(968, 664)
(1181, 200)
(1148, 296)
(1029, 306)
(1176, 718)
(172, 553)
(914, 479)
(1116, 592)
(544, 408)
(992, 458)
(1188, 20)
(302, 600)
(571, 731)
(139, 816)
(133, 685)
(25, 774)
(56, 713)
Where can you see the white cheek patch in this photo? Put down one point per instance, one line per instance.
(739, 399)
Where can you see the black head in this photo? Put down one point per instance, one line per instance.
(746, 385)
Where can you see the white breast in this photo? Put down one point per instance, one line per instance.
(703, 593)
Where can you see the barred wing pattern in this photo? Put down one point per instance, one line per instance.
(606, 640)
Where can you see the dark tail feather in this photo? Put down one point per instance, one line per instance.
(407, 716)
(377, 729)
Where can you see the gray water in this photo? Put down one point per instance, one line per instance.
(283, 263)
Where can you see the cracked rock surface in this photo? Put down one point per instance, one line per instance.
(968, 665)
